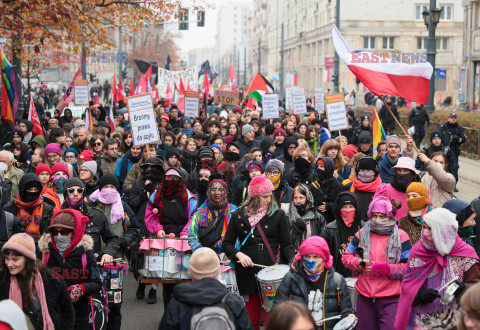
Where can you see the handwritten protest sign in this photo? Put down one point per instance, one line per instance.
(142, 119)
(319, 100)
(299, 104)
(336, 112)
(270, 106)
(81, 92)
(226, 97)
(191, 103)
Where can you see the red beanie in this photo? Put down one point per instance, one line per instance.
(86, 155)
(259, 185)
(349, 150)
(165, 116)
(43, 167)
(60, 167)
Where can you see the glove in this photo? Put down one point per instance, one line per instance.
(150, 187)
(380, 270)
(76, 292)
(123, 243)
(462, 287)
(144, 196)
(426, 296)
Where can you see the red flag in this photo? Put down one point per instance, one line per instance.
(181, 96)
(33, 118)
(148, 76)
(132, 87)
(114, 89)
(232, 80)
(111, 120)
(144, 83)
(69, 94)
(168, 96)
(121, 91)
(95, 99)
(205, 90)
(155, 95)
(189, 88)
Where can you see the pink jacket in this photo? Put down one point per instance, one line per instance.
(386, 189)
(378, 287)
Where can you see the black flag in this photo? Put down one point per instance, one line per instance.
(144, 66)
(205, 68)
(167, 62)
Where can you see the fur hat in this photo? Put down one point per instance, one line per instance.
(23, 244)
(259, 185)
(203, 263)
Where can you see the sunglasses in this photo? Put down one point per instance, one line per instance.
(98, 144)
(72, 190)
(63, 232)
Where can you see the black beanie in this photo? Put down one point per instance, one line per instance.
(368, 163)
(464, 214)
(345, 199)
(108, 178)
(172, 152)
(436, 133)
(269, 129)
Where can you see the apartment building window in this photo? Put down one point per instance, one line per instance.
(234, 22)
(234, 30)
(369, 42)
(388, 42)
(446, 14)
(419, 9)
(235, 15)
(421, 43)
(442, 43)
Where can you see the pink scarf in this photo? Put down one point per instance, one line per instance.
(255, 217)
(110, 197)
(15, 294)
(413, 278)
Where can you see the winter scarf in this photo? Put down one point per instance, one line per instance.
(188, 131)
(206, 214)
(394, 246)
(299, 229)
(313, 144)
(30, 215)
(254, 216)
(124, 165)
(171, 190)
(389, 164)
(15, 294)
(110, 197)
(369, 187)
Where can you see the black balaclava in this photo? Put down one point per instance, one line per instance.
(28, 181)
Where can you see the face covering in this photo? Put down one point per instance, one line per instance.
(348, 216)
(322, 175)
(150, 175)
(383, 227)
(58, 184)
(62, 242)
(417, 203)
(29, 197)
(231, 156)
(467, 231)
(301, 208)
(202, 186)
(313, 268)
(302, 165)
(171, 188)
(427, 240)
(72, 203)
(275, 180)
(401, 181)
(366, 176)
(109, 196)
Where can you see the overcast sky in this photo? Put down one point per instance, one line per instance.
(202, 37)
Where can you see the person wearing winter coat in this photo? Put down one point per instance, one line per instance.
(206, 160)
(135, 173)
(241, 194)
(419, 119)
(289, 146)
(436, 139)
(465, 215)
(67, 251)
(390, 159)
(313, 281)
(418, 204)
(125, 164)
(247, 140)
(33, 215)
(364, 126)
(438, 258)
(385, 116)
(282, 191)
(169, 211)
(453, 137)
(332, 148)
(204, 291)
(305, 221)
(476, 206)
(27, 282)
(364, 143)
(189, 155)
(339, 233)
(259, 214)
(302, 171)
(405, 173)
(87, 172)
(381, 262)
(326, 188)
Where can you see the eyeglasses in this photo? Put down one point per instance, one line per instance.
(72, 190)
(69, 157)
(98, 144)
(273, 173)
(63, 232)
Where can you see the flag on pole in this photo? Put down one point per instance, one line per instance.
(378, 132)
(189, 88)
(384, 76)
(114, 89)
(33, 118)
(258, 83)
(148, 76)
(142, 85)
(132, 87)
(121, 91)
(96, 101)
(205, 89)
(232, 80)
(181, 96)
(9, 92)
(155, 95)
(69, 94)
(111, 119)
(168, 96)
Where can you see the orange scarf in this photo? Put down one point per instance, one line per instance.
(32, 218)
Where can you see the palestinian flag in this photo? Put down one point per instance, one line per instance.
(258, 83)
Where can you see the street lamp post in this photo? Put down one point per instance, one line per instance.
(431, 18)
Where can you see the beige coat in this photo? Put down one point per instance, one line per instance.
(439, 183)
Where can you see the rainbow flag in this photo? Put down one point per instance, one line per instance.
(378, 132)
(9, 92)
(89, 121)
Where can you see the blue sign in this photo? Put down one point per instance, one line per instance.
(440, 74)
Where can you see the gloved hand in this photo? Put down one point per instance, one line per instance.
(426, 296)
(380, 270)
(76, 292)
(150, 187)
(462, 287)
(123, 243)
(144, 196)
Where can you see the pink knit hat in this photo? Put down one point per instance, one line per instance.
(259, 185)
(381, 204)
(23, 244)
(316, 245)
(60, 167)
(53, 147)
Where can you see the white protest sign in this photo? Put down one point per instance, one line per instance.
(81, 92)
(142, 119)
(299, 103)
(191, 103)
(288, 98)
(336, 112)
(319, 101)
(167, 76)
(270, 106)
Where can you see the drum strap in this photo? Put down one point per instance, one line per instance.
(269, 248)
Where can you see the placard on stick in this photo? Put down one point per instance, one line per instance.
(226, 97)
(191, 103)
(299, 103)
(336, 112)
(80, 88)
(270, 106)
(319, 100)
(142, 119)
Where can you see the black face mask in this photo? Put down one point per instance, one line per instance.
(401, 181)
(231, 156)
(29, 197)
(202, 186)
(322, 175)
(302, 165)
(301, 208)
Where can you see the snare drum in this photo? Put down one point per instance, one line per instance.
(347, 323)
(113, 276)
(268, 280)
(351, 281)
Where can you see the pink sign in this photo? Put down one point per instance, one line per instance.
(329, 63)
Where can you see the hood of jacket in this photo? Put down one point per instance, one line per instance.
(205, 292)
(45, 241)
(355, 200)
(27, 181)
(288, 141)
(329, 166)
(40, 140)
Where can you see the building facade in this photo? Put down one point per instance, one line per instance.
(469, 90)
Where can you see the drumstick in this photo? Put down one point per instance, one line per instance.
(331, 318)
(443, 287)
(263, 266)
(114, 260)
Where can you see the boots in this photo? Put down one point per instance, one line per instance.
(152, 296)
(140, 291)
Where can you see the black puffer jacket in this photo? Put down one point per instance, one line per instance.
(297, 286)
(60, 306)
(189, 160)
(90, 187)
(277, 232)
(205, 292)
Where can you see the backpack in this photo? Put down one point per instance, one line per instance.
(217, 316)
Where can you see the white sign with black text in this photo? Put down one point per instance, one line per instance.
(299, 103)
(142, 119)
(270, 106)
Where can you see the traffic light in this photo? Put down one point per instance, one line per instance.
(183, 20)
(201, 18)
